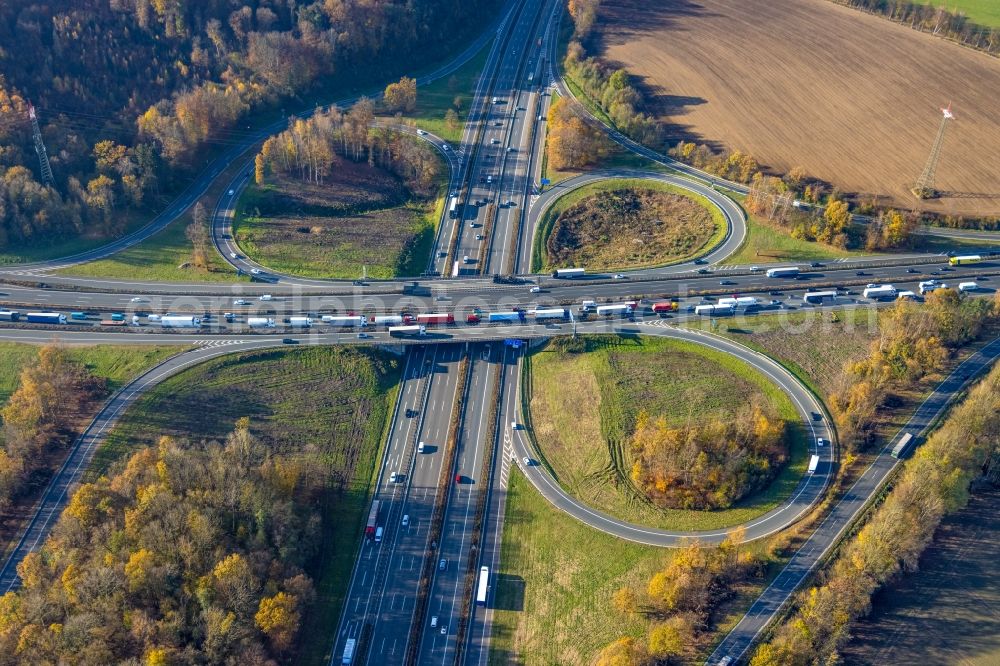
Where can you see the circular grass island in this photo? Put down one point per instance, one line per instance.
(671, 434)
(623, 224)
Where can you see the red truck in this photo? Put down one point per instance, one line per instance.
(665, 306)
(437, 318)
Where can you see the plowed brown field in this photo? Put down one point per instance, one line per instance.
(852, 98)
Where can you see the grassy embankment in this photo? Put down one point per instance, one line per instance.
(327, 404)
(552, 599)
(588, 450)
(435, 98)
(116, 364)
(364, 219)
(541, 261)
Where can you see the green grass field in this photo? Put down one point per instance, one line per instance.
(769, 243)
(983, 12)
(812, 344)
(552, 600)
(117, 364)
(327, 404)
(159, 258)
(435, 98)
(588, 449)
(539, 258)
(364, 220)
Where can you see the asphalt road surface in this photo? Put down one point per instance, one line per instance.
(381, 596)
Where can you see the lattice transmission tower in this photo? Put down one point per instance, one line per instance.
(43, 157)
(924, 187)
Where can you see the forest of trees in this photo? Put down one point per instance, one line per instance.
(307, 148)
(191, 554)
(935, 482)
(40, 418)
(935, 18)
(131, 93)
(914, 340)
(709, 464)
(678, 601)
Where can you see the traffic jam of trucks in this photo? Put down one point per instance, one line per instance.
(416, 325)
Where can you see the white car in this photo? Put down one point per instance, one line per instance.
(445, 146)
(527, 461)
(535, 290)
(393, 477)
(421, 132)
(241, 301)
(406, 520)
(232, 192)
(820, 441)
(232, 255)
(618, 276)
(138, 299)
(255, 271)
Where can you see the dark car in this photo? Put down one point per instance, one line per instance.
(776, 293)
(861, 273)
(816, 264)
(725, 283)
(702, 271)
(701, 261)
(290, 341)
(817, 416)
(912, 270)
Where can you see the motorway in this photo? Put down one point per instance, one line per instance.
(382, 593)
(494, 172)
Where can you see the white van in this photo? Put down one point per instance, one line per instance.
(265, 297)
(378, 534)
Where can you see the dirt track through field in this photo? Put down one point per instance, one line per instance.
(852, 98)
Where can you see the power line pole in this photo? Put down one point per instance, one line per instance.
(924, 187)
(43, 157)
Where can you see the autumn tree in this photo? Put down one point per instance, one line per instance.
(571, 142)
(402, 95)
(278, 617)
(890, 229)
(197, 233)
